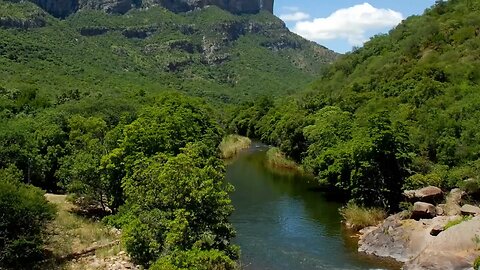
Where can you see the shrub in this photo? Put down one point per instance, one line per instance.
(417, 181)
(476, 264)
(195, 259)
(25, 214)
(357, 217)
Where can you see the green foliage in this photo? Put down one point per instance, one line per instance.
(417, 181)
(195, 259)
(476, 263)
(182, 203)
(25, 213)
(400, 112)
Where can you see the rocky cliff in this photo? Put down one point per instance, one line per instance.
(63, 8)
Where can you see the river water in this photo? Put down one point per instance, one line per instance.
(282, 222)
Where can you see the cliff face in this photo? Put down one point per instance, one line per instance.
(63, 8)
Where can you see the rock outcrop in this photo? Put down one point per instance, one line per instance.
(469, 209)
(429, 194)
(63, 8)
(413, 242)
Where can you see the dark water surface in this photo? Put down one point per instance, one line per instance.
(283, 223)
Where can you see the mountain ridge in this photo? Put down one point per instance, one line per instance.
(65, 8)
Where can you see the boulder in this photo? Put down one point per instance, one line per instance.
(423, 210)
(414, 242)
(400, 239)
(469, 209)
(452, 249)
(436, 230)
(428, 194)
(452, 205)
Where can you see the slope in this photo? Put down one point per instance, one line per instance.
(208, 52)
(402, 112)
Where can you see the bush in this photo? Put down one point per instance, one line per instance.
(357, 217)
(195, 259)
(417, 181)
(25, 214)
(476, 264)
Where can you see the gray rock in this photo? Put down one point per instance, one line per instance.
(428, 194)
(423, 210)
(468, 209)
(452, 205)
(411, 242)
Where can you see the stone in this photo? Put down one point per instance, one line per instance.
(453, 201)
(469, 209)
(439, 210)
(423, 210)
(415, 244)
(436, 230)
(428, 194)
(451, 249)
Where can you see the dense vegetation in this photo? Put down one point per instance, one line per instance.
(401, 112)
(88, 107)
(209, 53)
(24, 215)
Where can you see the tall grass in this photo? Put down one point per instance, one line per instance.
(232, 145)
(277, 159)
(357, 217)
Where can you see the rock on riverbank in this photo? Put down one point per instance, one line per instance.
(425, 243)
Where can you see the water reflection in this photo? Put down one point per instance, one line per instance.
(283, 223)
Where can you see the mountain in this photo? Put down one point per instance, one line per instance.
(207, 52)
(402, 112)
(65, 8)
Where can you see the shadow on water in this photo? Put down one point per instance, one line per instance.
(284, 222)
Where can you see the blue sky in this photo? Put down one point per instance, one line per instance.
(342, 24)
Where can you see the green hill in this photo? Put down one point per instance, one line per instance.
(209, 53)
(401, 112)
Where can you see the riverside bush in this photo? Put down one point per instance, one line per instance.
(357, 217)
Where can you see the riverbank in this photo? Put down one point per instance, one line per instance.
(232, 145)
(437, 232)
(278, 161)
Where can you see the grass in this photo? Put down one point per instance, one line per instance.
(232, 145)
(357, 217)
(70, 233)
(278, 160)
(457, 221)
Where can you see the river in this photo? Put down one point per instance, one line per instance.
(282, 222)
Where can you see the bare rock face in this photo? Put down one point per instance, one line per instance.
(63, 8)
(424, 244)
(58, 8)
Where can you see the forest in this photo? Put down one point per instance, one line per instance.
(401, 112)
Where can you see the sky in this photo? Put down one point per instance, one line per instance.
(341, 25)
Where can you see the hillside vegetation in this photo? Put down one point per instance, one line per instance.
(209, 53)
(401, 112)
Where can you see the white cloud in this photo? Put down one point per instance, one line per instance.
(295, 16)
(350, 23)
